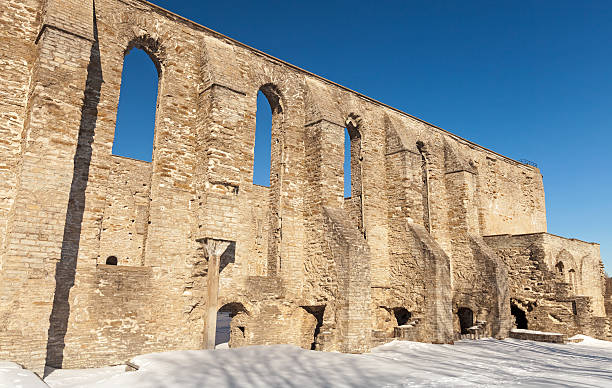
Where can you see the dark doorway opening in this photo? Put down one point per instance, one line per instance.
(225, 315)
(466, 319)
(520, 318)
(318, 312)
(111, 260)
(401, 315)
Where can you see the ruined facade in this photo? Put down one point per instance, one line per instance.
(104, 257)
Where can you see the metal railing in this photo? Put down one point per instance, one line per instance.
(528, 162)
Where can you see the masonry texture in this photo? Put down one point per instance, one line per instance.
(104, 257)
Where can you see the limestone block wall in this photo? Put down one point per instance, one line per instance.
(582, 267)
(19, 26)
(126, 214)
(112, 323)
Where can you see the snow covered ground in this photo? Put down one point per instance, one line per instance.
(486, 362)
(13, 376)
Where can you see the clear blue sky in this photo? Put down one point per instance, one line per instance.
(528, 79)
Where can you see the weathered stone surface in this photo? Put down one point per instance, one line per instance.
(404, 256)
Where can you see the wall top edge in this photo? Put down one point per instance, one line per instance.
(540, 233)
(360, 95)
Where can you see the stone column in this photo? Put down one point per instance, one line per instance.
(214, 249)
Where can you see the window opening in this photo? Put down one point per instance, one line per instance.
(559, 267)
(347, 164)
(263, 141)
(135, 126)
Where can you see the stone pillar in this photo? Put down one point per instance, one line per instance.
(324, 148)
(214, 249)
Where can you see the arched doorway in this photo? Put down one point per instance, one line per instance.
(224, 330)
(466, 319)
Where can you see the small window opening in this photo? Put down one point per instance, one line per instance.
(559, 267)
(347, 164)
(520, 318)
(574, 308)
(352, 157)
(572, 278)
(402, 316)
(135, 126)
(263, 142)
(111, 260)
(466, 319)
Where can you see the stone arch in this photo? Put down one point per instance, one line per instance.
(274, 96)
(144, 33)
(237, 300)
(151, 46)
(130, 30)
(111, 260)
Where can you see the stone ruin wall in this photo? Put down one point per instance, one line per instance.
(608, 297)
(569, 301)
(304, 257)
